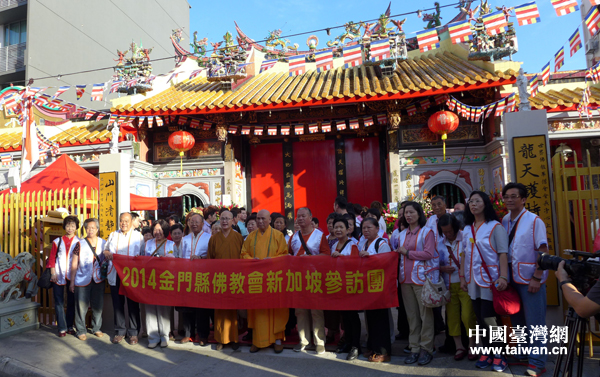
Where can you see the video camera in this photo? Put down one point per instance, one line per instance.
(579, 268)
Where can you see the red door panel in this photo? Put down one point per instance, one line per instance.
(363, 170)
(314, 178)
(267, 177)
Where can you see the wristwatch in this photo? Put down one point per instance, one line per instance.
(567, 281)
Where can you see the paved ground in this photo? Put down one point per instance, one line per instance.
(42, 353)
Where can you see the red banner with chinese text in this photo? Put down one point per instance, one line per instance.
(317, 282)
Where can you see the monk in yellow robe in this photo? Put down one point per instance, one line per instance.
(226, 244)
(268, 325)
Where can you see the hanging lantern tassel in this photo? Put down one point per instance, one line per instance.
(444, 137)
(182, 153)
(443, 123)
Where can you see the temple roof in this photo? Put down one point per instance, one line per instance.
(415, 77)
(79, 135)
(564, 100)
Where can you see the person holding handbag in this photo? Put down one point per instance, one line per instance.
(460, 305)
(419, 257)
(86, 280)
(485, 265)
(60, 270)
(158, 316)
(378, 320)
(344, 247)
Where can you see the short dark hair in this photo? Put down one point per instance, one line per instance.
(306, 208)
(174, 218)
(176, 226)
(351, 216)
(235, 212)
(357, 209)
(377, 205)
(369, 220)
(375, 212)
(331, 216)
(341, 202)
(242, 209)
(164, 226)
(223, 209)
(209, 211)
(488, 210)
(417, 207)
(146, 230)
(134, 215)
(448, 219)
(519, 186)
(252, 217)
(315, 220)
(439, 197)
(340, 219)
(403, 204)
(71, 219)
(275, 216)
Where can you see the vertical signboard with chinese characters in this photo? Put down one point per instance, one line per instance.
(288, 184)
(340, 167)
(108, 204)
(532, 170)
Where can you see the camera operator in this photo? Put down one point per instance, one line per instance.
(585, 306)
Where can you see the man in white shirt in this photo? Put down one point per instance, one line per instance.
(195, 246)
(527, 239)
(125, 241)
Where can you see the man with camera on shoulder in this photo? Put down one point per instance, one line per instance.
(584, 306)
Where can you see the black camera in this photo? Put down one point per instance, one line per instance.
(579, 266)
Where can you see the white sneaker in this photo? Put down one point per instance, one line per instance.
(164, 344)
(152, 345)
(320, 350)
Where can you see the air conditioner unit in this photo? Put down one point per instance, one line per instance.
(591, 46)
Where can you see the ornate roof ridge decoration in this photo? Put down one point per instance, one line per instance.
(133, 74)
(199, 46)
(437, 73)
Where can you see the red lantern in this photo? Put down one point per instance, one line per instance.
(443, 123)
(182, 142)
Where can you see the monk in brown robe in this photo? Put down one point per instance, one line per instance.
(226, 244)
(268, 325)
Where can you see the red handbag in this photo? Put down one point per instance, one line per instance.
(506, 302)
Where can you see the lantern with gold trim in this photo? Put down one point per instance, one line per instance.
(182, 142)
(443, 123)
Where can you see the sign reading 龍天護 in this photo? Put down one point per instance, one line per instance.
(108, 204)
(532, 170)
(344, 283)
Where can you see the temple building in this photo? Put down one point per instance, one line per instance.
(277, 128)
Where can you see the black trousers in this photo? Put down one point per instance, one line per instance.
(133, 308)
(352, 328)
(402, 324)
(189, 317)
(378, 322)
(203, 317)
(484, 309)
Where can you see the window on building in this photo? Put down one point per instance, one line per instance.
(452, 193)
(15, 33)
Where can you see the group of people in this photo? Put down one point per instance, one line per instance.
(469, 249)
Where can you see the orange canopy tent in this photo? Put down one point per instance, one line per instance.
(64, 173)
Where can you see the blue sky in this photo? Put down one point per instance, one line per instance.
(537, 43)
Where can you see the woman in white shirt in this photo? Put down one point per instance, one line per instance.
(485, 238)
(157, 316)
(378, 321)
(460, 305)
(86, 280)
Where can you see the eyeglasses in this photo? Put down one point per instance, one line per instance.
(511, 197)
